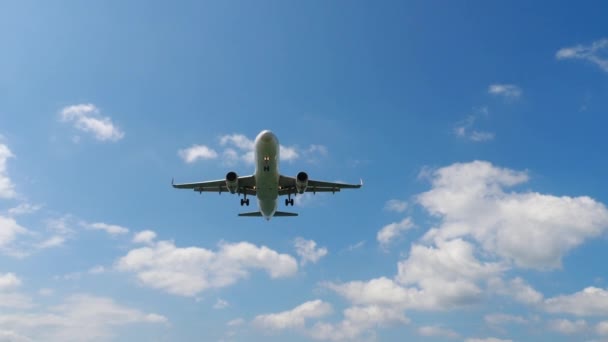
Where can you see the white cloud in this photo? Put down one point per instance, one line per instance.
(393, 231)
(602, 328)
(565, 326)
(437, 331)
(46, 292)
(53, 241)
(11, 336)
(395, 205)
(188, 271)
(294, 318)
(530, 229)
(308, 252)
(516, 288)
(379, 291)
(9, 230)
(81, 317)
(448, 274)
(508, 91)
(464, 129)
(7, 189)
(236, 322)
(591, 301)
(358, 320)
(487, 339)
(96, 270)
(594, 53)
(145, 237)
(357, 245)
(111, 229)
(9, 281)
(88, 118)
(23, 209)
(220, 304)
(197, 152)
(500, 319)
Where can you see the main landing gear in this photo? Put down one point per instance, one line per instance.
(244, 200)
(289, 200)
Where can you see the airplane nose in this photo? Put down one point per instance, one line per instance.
(266, 136)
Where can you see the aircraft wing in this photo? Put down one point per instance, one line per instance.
(246, 185)
(287, 185)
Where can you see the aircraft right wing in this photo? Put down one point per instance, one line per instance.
(288, 186)
(246, 184)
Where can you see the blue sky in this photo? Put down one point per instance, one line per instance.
(478, 128)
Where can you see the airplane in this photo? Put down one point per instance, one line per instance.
(267, 184)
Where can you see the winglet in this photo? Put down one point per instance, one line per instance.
(360, 185)
(172, 182)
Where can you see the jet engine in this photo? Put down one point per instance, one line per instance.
(232, 182)
(301, 182)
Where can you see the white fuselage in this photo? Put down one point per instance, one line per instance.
(266, 151)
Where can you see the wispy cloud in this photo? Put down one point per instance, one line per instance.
(393, 231)
(465, 130)
(88, 118)
(308, 251)
(7, 189)
(507, 91)
(596, 53)
(111, 229)
(395, 205)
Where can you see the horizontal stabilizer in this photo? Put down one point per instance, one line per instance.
(283, 213)
(253, 213)
(259, 214)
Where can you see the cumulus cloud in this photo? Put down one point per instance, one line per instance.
(80, 317)
(565, 326)
(111, 229)
(530, 229)
(516, 288)
(7, 189)
(508, 91)
(449, 273)
(9, 281)
(191, 270)
(393, 231)
(294, 318)
(437, 331)
(308, 252)
(88, 118)
(596, 53)
(357, 321)
(145, 237)
(591, 301)
(197, 152)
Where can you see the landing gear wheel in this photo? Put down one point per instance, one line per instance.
(247, 202)
(287, 202)
(242, 202)
(291, 202)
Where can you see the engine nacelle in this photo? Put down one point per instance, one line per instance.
(301, 182)
(232, 182)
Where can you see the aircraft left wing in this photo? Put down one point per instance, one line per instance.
(288, 186)
(246, 184)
